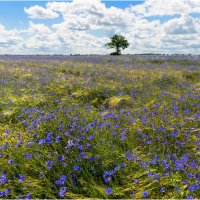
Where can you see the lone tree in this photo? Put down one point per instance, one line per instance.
(118, 42)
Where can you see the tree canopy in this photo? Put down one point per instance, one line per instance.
(118, 42)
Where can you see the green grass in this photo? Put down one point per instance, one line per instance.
(105, 112)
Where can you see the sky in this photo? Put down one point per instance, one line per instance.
(85, 26)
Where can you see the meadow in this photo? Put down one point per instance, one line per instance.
(100, 127)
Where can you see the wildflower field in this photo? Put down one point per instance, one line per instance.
(100, 127)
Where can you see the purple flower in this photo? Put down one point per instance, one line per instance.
(129, 156)
(83, 154)
(2, 193)
(18, 144)
(62, 191)
(156, 176)
(108, 191)
(42, 142)
(28, 196)
(77, 168)
(49, 164)
(63, 178)
(189, 197)
(189, 175)
(7, 131)
(7, 192)
(185, 182)
(3, 179)
(122, 165)
(149, 174)
(49, 138)
(123, 135)
(145, 193)
(22, 178)
(91, 137)
(28, 156)
(194, 187)
(61, 158)
(108, 179)
(10, 161)
(193, 164)
(163, 189)
(29, 144)
(136, 180)
(166, 166)
(58, 138)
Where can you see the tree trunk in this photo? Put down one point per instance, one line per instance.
(118, 52)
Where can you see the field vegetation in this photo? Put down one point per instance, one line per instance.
(110, 128)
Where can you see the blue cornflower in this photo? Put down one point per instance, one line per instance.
(189, 175)
(193, 164)
(18, 144)
(194, 187)
(129, 156)
(123, 135)
(58, 182)
(63, 178)
(153, 162)
(91, 137)
(108, 179)
(77, 168)
(108, 191)
(163, 189)
(7, 131)
(122, 165)
(83, 154)
(8, 191)
(145, 193)
(58, 138)
(3, 179)
(43, 141)
(2, 193)
(81, 147)
(28, 156)
(29, 144)
(149, 174)
(136, 180)
(62, 191)
(49, 138)
(179, 166)
(88, 145)
(166, 166)
(61, 158)
(156, 176)
(174, 134)
(49, 164)
(185, 182)
(3, 172)
(10, 161)
(28, 196)
(22, 178)
(189, 197)
(197, 176)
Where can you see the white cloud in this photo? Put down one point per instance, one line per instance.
(38, 12)
(8, 37)
(166, 7)
(182, 25)
(86, 26)
(38, 29)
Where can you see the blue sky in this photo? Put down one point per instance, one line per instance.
(49, 27)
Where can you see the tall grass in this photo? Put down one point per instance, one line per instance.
(79, 130)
